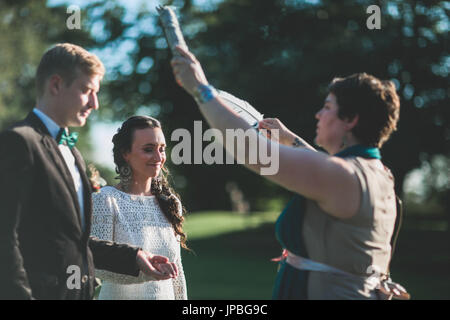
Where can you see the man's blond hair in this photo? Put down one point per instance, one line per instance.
(66, 60)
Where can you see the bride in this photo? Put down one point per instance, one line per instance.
(142, 210)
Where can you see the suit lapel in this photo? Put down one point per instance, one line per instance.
(55, 154)
(86, 189)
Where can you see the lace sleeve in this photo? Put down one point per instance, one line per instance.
(179, 284)
(104, 218)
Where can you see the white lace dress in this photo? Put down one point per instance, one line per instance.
(136, 220)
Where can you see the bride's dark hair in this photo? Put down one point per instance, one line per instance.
(168, 199)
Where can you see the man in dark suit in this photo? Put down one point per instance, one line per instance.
(45, 196)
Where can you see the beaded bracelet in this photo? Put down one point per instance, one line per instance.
(297, 143)
(205, 93)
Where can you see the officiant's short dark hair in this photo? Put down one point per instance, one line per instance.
(374, 101)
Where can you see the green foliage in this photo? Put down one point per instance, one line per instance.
(277, 54)
(27, 29)
(280, 56)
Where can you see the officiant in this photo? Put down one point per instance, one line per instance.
(336, 232)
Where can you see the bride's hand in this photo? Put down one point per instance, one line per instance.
(157, 267)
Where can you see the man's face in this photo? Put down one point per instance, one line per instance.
(76, 101)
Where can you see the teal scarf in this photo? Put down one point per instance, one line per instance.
(291, 283)
(360, 151)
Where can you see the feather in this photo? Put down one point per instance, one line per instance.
(246, 111)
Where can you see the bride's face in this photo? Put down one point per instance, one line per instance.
(148, 153)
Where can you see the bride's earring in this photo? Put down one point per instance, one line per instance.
(125, 174)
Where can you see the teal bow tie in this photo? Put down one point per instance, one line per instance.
(68, 140)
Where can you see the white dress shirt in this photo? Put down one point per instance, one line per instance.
(54, 128)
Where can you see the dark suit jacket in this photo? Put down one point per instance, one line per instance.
(40, 226)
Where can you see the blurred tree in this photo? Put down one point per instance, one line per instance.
(280, 56)
(432, 187)
(277, 54)
(27, 30)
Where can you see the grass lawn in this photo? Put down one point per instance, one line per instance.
(206, 224)
(232, 264)
(422, 263)
(232, 258)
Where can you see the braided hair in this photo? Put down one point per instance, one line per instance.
(168, 200)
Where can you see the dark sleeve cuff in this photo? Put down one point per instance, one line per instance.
(114, 257)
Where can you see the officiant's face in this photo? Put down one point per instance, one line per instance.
(148, 153)
(330, 128)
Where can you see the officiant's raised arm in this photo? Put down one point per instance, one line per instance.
(190, 76)
(297, 169)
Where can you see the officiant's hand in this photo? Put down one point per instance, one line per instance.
(285, 136)
(187, 71)
(157, 267)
